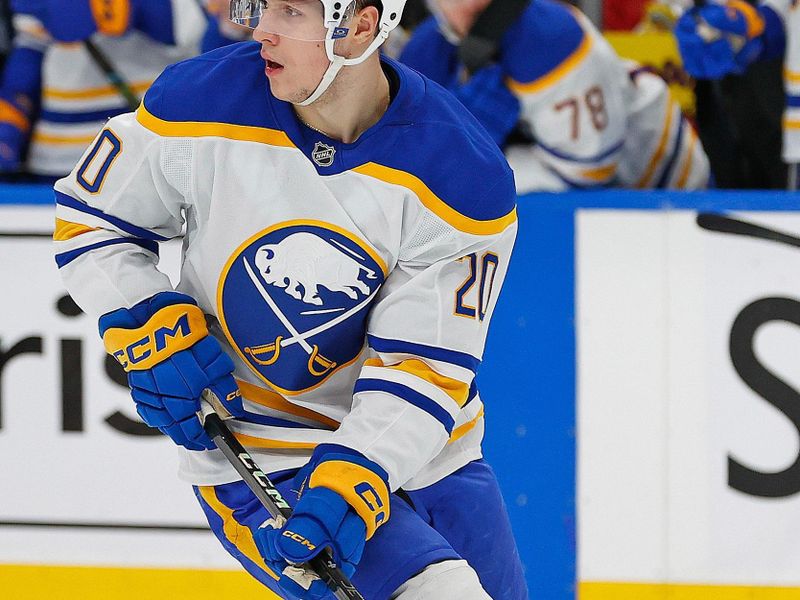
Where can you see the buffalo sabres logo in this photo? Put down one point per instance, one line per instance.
(294, 299)
(323, 154)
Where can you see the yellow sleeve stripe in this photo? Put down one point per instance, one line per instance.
(464, 429)
(435, 204)
(112, 16)
(51, 93)
(558, 73)
(791, 124)
(457, 390)
(170, 330)
(791, 76)
(63, 140)
(236, 533)
(600, 173)
(251, 441)
(270, 399)
(662, 148)
(242, 133)
(66, 230)
(755, 22)
(687, 167)
(361, 488)
(12, 115)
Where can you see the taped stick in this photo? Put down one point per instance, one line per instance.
(322, 565)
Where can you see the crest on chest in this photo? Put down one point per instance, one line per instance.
(293, 301)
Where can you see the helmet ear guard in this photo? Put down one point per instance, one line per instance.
(335, 15)
(391, 12)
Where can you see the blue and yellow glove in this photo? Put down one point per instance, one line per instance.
(76, 20)
(14, 128)
(164, 346)
(491, 102)
(344, 499)
(716, 40)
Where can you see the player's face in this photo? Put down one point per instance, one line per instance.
(291, 34)
(461, 14)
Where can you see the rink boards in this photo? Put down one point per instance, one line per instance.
(639, 384)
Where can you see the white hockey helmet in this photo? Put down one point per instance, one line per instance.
(335, 15)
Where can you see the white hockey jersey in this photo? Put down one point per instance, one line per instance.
(77, 97)
(789, 10)
(353, 284)
(597, 120)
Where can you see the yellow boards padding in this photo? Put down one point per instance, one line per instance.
(39, 582)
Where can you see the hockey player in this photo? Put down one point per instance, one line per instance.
(348, 226)
(720, 39)
(55, 97)
(590, 119)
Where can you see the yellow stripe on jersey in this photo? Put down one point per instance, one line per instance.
(270, 399)
(457, 390)
(662, 148)
(755, 22)
(13, 116)
(791, 123)
(559, 72)
(63, 140)
(464, 429)
(112, 16)
(435, 204)
(791, 76)
(50, 93)
(243, 133)
(687, 167)
(238, 534)
(362, 488)
(257, 442)
(66, 230)
(600, 173)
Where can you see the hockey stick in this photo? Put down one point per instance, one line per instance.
(111, 74)
(322, 565)
(723, 224)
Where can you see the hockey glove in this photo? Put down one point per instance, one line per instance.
(163, 344)
(491, 102)
(346, 499)
(77, 20)
(716, 40)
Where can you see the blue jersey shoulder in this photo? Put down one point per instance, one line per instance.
(546, 35)
(226, 85)
(439, 142)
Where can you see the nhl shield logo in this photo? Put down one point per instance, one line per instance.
(323, 154)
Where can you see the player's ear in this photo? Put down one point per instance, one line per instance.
(366, 24)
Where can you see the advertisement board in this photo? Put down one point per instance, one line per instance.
(688, 418)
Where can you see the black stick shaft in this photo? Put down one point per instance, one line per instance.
(112, 74)
(269, 496)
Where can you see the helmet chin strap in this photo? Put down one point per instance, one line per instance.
(337, 62)
(327, 79)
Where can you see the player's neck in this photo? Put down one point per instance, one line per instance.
(352, 105)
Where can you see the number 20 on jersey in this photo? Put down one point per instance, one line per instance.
(472, 300)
